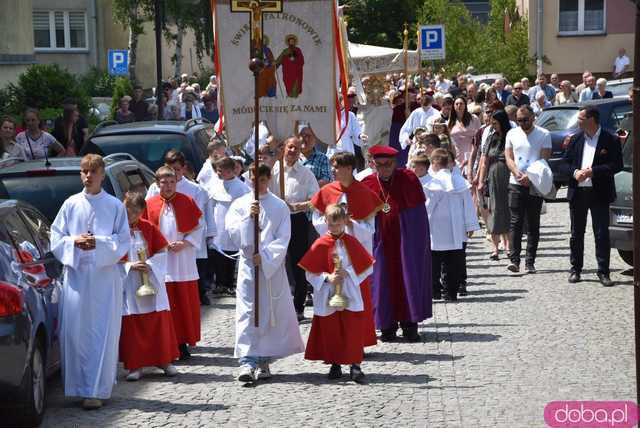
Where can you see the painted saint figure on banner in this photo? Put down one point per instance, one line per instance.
(292, 62)
(267, 79)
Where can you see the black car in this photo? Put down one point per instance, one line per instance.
(562, 122)
(29, 294)
(46, 184)
(621, 210)
(149, 141)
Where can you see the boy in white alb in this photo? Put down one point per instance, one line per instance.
(89, 236)
(278, 334)
(451, 208)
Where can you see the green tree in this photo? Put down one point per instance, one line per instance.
(44, 87)
(132, 14)
(379, 22)
(461, 31)
(184, 16)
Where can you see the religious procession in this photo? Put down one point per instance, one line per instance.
(336, 223)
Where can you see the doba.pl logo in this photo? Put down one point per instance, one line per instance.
(591, 414)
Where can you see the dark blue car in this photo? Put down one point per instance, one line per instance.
(149, 141)
(562, 122)
(30, 286)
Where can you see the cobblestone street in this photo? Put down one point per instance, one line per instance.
(493, 359)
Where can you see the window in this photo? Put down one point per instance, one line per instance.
(60, 30)
(581, 17)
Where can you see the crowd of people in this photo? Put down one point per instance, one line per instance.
(369, 237)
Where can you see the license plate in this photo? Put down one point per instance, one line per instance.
(624, 218)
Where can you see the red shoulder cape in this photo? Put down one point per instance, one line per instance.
(405, 190)
(154, 239)
(363, 203)
(187, 212)
(319, 258)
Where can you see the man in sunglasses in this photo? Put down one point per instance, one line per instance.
(524, 145)
(402, 272)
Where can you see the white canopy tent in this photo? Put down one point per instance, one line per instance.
(380, 60)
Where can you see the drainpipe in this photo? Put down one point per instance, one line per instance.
(539, 37)
(93, 21)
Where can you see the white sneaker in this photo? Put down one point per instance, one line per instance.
(263, 372)
(246, 374)
(170, 370)
(134, 375)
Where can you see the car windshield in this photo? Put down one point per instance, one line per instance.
(620, 89)
(558, 119)
(147, 148)
(46, 193)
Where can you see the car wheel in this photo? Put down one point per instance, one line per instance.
(34, 388)
(627, 256)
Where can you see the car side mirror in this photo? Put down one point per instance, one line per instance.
(52, 266)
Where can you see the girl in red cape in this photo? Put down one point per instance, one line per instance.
(147, 338)
(336, 332)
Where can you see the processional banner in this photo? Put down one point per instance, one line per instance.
(298, 81)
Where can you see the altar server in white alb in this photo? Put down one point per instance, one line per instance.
(179, 219)
(351, 137)
(278, 334)
(422, 117)
(223, 191)
(148, 337)
(175, 160)
(89, 236)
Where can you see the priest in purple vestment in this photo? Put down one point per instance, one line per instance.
(402, 272)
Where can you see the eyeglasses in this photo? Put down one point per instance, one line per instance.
(523, 120)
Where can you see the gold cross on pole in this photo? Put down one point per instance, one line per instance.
(256, 8)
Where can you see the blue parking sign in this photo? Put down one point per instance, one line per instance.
(432, 42)
(118, 62)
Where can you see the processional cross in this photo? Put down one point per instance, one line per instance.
(256, 8)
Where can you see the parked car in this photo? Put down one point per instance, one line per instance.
(562, 122)
(149, 141)
(46, 184)
(621, 210)
(489, 79)
(30, 281)
(620, 87)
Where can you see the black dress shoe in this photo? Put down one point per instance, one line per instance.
(574, 277)
(335, 372)
(462, 290)
(204, 300)
(184, 352)
(450, 297)
(605, 280)
(356, 374)
(412, 337)
(388, 337)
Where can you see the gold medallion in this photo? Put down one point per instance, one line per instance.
(386, 208)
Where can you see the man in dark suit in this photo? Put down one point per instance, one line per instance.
(592, 158)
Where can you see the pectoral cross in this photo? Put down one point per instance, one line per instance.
(256, 8)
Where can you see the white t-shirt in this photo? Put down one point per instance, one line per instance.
(621, 62)
(527, 148)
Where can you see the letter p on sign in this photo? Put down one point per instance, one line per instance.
(432, 42)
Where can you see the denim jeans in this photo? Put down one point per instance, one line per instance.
(253, 362)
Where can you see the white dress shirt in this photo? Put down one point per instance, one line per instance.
(299, 183)
(588, 153)
(419, 117)
(350, 137)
